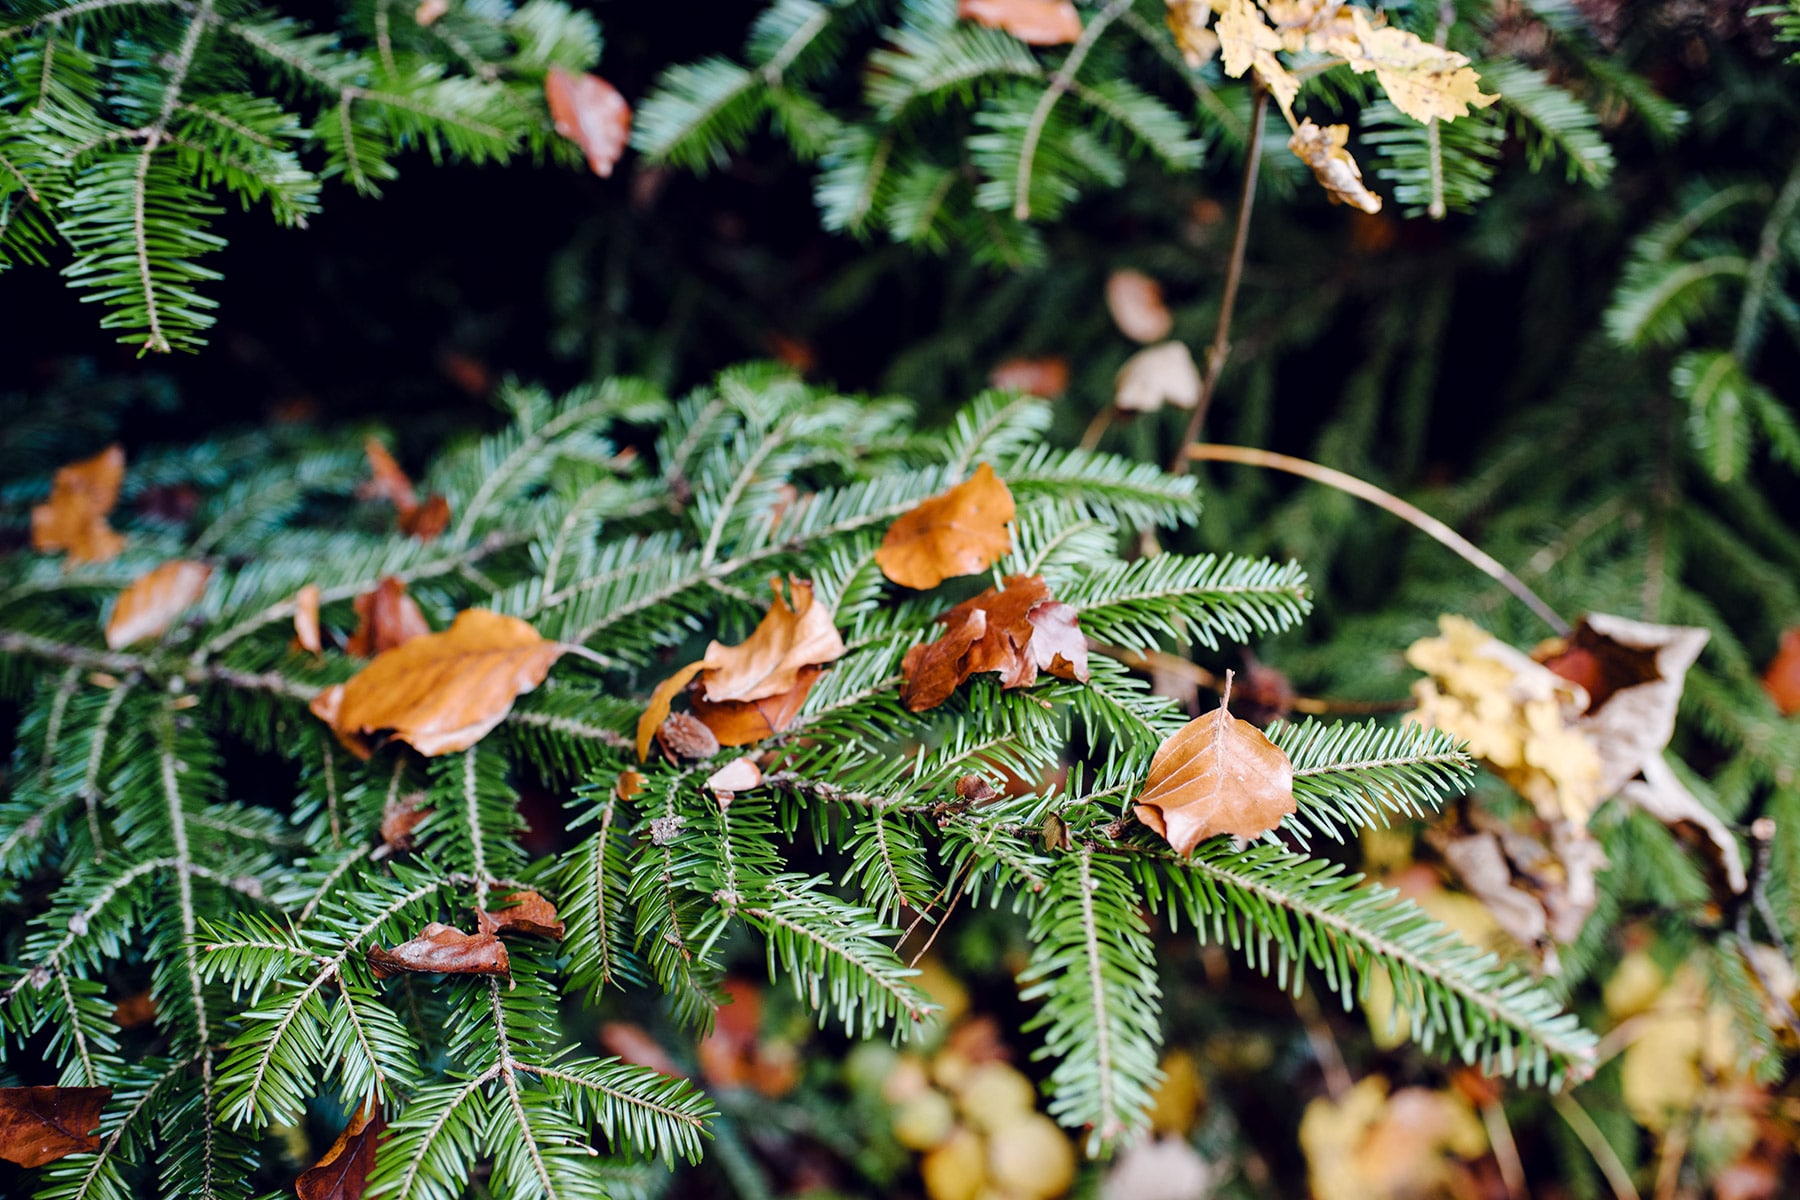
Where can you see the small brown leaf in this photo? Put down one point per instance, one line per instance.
(74, 518)
(386, 480)
(738, 775)
(385, 618)
(931, 673)
(306, 618)
(657, 710)
(441, 950)
(1782, 678)
(975, 789)
(956, 532)
(999, 630)
(591, 113)
(527, 912)
(39, 1125)
(1155, 376)
(154, 600)
(684, 736)
(135, 1010)
(1323, 149)
(1214, 775)
(444, 691)
(1034, 22)
(1047, 376)
(1136, 303)
(343, 1172)
(425, 521)
(629, 784)
(741, 722)
(768, 662)
(399, 817)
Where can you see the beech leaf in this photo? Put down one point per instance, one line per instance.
(42, 1124)
(591, 113)
(957, 532)
(1155, 376)
(74, 518)
(1782, 678)
(657, 711)
(441, 950)
(386, 617)
(306, 618)
(1047, 376)
(343, 1172)
(1323, 149)
(525, 912)
(444, 691)
(1214, 775)
(399, 817)
(425, 521)
(1136, 303)
(1034, 22)
(790, 638)
(148, 607)
(741, 722)
(1017, 631)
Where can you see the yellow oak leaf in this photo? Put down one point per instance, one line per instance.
(1422, 80)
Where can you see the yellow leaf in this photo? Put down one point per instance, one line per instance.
(1373, 1146)
(1322, 149)
(1187, 21)
(1422, 80)
(1246, 41)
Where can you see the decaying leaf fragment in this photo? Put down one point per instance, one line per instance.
(387, 481)
(1034, 22)
(1539, 894)
(1017, 630)
(306, 618)
(956, 532)
(1781, 680)
(1323, 149)
(591, 113)
(148, 607)
(1371, 1144)
(1187, 20)
(443, 691)
(1246, 42)
(1214, 775)
(39, 1125)
(525, 912)
(1423, 80)
(1135, 301)
(74, 518)
(1155, 376)
(741, 722)
(343, 1172)
(385, 618)
(441, 950)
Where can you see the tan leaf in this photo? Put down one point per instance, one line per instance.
(444, 691)
(385, 618)
(1246, 41)
(1058, 647)
(425, 521)
(1782, 678)
(1034, 22)
(684, 736)
(441, 950)
(1368, 1144)
(74, 518)
(738, 775)
(999, 631)
(306, 618)
(1047, 376)
(386, 480)
(1323, 149)
(1214, 775)
(591, 113)
(956, 532)
(657, 711)
(1423, 80)
(1136, 303)
(39, 1125)
(1155, 376)
(399, 817)
(428, 12)
(791, 637)
(148, 607)
(1187, 21)
(741, 722)
(343, 1172)
(1539, 894)
(526, 912)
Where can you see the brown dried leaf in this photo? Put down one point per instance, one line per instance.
(306, 618)
(385, 618)
(399, 818)
(441, 950)
(1155, 376)
(684, 736)
(629, 784)
(591, 113)
(658, 709)
(343, 1172)
(633, 1044)
(999, 630)
(738, 775)
(1539, 894)
(1782, 678)
(148, 607)
(1136, 303)
(386, 480)
(526, 912)
(39, 1125)
(135, 1010)
(790, 638)
(1057, 646)
(425, 521)
(1034, 22)
(74, 518)
(444, 691)
(1323, 149)
(741, 722)
(957, 532)
(1214, 775)
(1047, 376)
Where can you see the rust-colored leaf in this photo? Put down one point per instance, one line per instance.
(42, 1124)
(154, 600)
(591, 113)
(385, 618)
(931, 673)
(135, 1010)
(441, 950)
(425, 521)
(629, 784)
(682, 735)
(956, 532)
(657, 711)
(1136, 303)
(306, 618)
(343, 1172)
(1017, 631)
(1214, 775)
(741, 722)
(386, 480)
(768, 663)
(526, 912)
(1047, 376)
(1782, 678)
(74, 518)
(1323, 148)
(1034, 22)
(399, 818)
(444, 691)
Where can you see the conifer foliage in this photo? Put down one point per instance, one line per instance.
(373, 936)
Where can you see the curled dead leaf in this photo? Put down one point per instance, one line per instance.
(1323, 149)
(399, 818)
(629, 784)
(343, 1172)
(441, 950)
(741, 722)
(738, 775)
(1155, 376)
(425, 521)
(525, 912)
(153, 601)
(385, 618)
(1187, 21)
(1034, 22)
(1422, 80)
(657, 710)
(1246, 42)
(957, 532)
(1017, 630)
(39, 1125)
(1135, 301)
(591, 113)
(1214, 775)
(790, 638)
(306, 618)
(74, 518)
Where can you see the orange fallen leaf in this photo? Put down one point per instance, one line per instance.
(343, 1172)
(1214, 775)
(399, 817)
(790, 638)
(1016, 631)
(591, 113)
(1782, 678)
(425, 521)
(135, 1010)
(1047, 377)
(956, 532)
(526, 912)
(385, 618)
(444, 691)
(629, 784)
(934, 671)
(1034, 22)
(306, 618)
(148, 607)
(386, 480)
(1136, 303)
(657, 711)
(42, 1124)
(74, 518)
(741, 722)
(441, 950)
